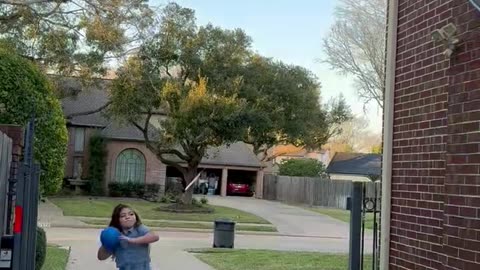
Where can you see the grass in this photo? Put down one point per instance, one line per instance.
(342, 215)
(56, 258)
(272, 260)
(103, 207)
(188, 225)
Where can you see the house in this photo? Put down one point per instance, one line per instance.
(128, 158)
(355, 166)
(431, 154)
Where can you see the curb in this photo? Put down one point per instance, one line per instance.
(210, 231)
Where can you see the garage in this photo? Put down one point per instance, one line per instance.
(227, 170)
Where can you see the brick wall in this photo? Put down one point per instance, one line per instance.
(435, 221)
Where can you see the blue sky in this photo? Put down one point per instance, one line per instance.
(288, 30)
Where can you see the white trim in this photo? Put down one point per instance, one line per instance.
(475, 4)
(388, 134)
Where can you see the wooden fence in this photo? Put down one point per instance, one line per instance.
(311, 191)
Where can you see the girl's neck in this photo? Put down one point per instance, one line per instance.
(125, 229)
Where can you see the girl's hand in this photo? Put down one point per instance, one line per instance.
(127, 239)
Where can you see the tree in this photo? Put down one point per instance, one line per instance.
(377, 149)
(356, 46)
(97, 164)
(74, 37)
(301, 167)
(24, 92)
(286, 109)
(214, 91)
(354, 137)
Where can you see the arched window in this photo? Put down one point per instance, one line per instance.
(130, 167)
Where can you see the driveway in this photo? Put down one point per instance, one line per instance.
(289, 220)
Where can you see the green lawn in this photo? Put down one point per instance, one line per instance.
(272, 260)
(343, 215)
(103, 207)
(56, 258)
(188, 225)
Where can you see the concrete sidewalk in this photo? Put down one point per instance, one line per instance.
(49, 215)
(169, 253)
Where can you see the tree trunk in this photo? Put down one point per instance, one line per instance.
(189, 176)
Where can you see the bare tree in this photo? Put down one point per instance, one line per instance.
(354, 137)
(356, 46)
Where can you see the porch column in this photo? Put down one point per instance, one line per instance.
(223, 192)
(259, 185)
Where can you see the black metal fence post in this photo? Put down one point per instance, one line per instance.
(355, 226)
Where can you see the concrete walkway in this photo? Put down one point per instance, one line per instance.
(289, 220)
(49, 215)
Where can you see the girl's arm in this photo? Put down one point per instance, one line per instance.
(148, 238)
(103, 254)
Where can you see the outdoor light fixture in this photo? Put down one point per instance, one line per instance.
(446, 35)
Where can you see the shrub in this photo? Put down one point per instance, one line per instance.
(195, 201)
(134, 190)
(97, 164)
(25, 91)
(151, 192)
(302, 167)
(41, 248)
(204, 200)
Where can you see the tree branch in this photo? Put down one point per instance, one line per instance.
(158, 151)
(91, 111)
(25, 3)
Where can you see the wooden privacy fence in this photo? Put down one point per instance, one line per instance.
(311, 191)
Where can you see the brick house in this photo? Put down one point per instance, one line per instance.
(128, 159)
(431, 163)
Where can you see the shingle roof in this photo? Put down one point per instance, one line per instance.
(355, 163)
(86, 99)
(237, 154)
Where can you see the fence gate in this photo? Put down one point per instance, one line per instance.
(18, 249)
(364, 206)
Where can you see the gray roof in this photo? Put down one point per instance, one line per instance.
(91, 98)
(355, 163)
(85, 99)
(236, 154)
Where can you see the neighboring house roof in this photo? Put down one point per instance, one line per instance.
(292, 151)
(355, 163)
(237, 154)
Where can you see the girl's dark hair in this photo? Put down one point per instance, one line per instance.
(115, 221)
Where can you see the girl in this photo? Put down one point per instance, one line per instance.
(133, 253)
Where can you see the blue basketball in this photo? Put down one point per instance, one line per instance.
(110, 238)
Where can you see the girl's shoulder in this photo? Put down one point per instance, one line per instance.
(142, 229)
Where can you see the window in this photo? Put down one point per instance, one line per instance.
(77, 167)
(79, 139)
(130, 167)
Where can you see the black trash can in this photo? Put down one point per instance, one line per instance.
(223, 234)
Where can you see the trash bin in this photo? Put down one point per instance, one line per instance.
(223, 234)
